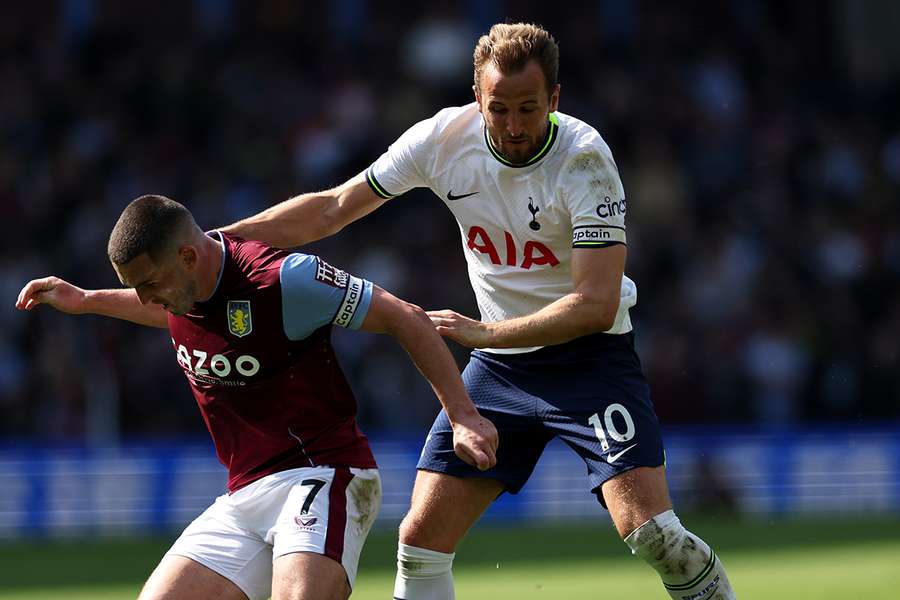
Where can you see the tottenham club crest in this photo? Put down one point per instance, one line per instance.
(239, 321)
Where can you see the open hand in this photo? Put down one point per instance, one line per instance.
(54, 291)
(460, 329)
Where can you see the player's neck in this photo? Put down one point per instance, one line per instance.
(210, 266)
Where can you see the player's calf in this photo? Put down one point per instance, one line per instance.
(689, 569)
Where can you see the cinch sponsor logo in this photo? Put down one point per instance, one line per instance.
(611, 208)
(533, 253)
(199, 364)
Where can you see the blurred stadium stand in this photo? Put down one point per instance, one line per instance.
(758, 142)
(143, 488)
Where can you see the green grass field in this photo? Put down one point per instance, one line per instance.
(771, 560)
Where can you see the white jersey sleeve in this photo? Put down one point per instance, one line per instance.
(402, 167)
(595, 198)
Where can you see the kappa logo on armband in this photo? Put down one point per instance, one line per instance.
(328, 274)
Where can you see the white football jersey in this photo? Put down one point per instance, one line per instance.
(518, 223)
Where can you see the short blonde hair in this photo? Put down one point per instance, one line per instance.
(509, 47)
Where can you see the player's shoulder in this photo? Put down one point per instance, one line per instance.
(254, 258)
(300, 261)
(584, 151)
(579, 136)
(305, 269)
(449, 123)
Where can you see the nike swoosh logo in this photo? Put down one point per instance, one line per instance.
(611, 458)
(451, 197)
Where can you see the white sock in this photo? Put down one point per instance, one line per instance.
(689, 569)
(423, 574)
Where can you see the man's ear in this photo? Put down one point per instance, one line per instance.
(477, 96)
(554, 98)
(188, 256)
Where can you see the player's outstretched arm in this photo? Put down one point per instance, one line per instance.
(591, 308)
(309, 217)
(65, 297)
(474, 437)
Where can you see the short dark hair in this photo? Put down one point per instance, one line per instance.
(509, 46)
(148, 225)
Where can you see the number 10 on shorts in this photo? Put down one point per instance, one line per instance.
(611, 428)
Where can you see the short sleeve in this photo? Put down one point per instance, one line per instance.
(313, 294)
(595, 198)
(401, 168)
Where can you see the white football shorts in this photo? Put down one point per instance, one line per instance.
(325, 510)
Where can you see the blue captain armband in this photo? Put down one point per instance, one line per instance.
(315, 294)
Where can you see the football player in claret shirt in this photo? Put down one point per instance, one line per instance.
(541, 212)
(250, 326)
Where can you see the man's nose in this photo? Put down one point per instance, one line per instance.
(514, 125)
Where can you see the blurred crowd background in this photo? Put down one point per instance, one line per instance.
(758, 142)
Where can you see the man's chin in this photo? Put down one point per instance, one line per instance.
(517, 156)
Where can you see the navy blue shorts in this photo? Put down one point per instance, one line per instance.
(589, 392)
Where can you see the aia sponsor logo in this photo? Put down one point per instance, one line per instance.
(533, 253)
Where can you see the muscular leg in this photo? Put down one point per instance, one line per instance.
(308, 576)
(638, 501)
(442, 511)
(180, 578)
(636, 496)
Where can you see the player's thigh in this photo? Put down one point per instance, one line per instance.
(444, 507)
(604, 413)
(180, 578)
(636, 496)
(324, 511)
(490, 384)
(221, 541)
(308, 576)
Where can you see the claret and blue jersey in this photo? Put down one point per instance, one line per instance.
(259, 360)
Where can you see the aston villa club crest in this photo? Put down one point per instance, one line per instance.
(239, 321)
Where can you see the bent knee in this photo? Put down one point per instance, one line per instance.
(429, 534)
(415, 531)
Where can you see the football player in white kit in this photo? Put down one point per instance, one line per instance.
(541, 211)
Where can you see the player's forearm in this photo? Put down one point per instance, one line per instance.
(294, 222)
(124, 304)
(570, 317)
(433, 359)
